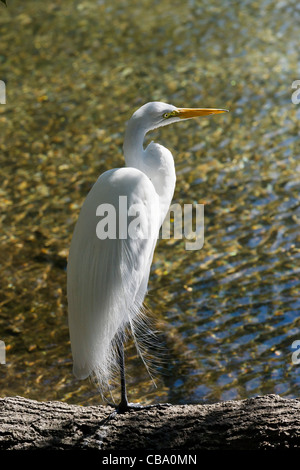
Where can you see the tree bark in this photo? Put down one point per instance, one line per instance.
(264, 422)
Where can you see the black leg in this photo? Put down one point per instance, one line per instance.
(123, 406)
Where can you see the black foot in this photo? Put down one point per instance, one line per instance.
(127, 407)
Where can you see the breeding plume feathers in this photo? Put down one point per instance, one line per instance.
(107, 278)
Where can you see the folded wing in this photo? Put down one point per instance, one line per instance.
(108, 277)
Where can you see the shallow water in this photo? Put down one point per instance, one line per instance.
(75, 71)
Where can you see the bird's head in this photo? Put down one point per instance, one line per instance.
(157, 114)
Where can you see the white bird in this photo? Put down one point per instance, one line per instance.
(108, 270)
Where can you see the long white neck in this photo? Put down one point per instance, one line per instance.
(155, 161)
(133, 144)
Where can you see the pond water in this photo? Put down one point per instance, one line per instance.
(227, 314)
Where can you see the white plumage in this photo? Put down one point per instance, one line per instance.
(108, 278)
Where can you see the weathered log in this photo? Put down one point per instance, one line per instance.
(263, 422)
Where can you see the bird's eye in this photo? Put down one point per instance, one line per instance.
(170, 114)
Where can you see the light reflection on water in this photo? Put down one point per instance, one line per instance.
(227, 314)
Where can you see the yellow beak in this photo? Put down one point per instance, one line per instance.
(186, 113)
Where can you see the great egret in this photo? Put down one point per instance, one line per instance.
(108, 273)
